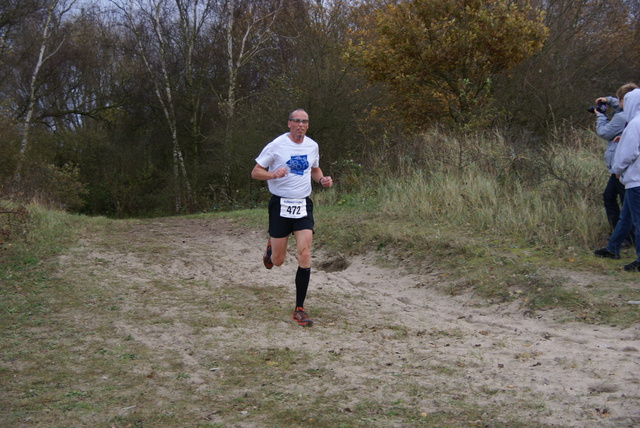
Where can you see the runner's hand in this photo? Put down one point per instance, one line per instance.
(326, 181)
(279, 173)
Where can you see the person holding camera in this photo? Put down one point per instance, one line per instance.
(609, 130)
(623, 168)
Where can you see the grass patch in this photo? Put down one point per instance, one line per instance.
(497, 270)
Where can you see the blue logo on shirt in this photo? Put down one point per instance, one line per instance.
(298, 164)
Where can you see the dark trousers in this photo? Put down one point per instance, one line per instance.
(610, 196)
(612, 192)
(629, 224)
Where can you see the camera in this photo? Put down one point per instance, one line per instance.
(601, 107)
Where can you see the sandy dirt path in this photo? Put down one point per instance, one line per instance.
(379, 329)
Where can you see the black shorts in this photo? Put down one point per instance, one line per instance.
(281, 227)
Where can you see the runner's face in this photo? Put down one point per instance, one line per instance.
(298, 129)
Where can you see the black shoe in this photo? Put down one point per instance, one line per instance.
(603, 252)
(632, 267)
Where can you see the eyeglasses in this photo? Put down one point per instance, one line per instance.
(305, 121)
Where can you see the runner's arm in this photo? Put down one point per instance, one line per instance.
(319, 177)
(260, 173)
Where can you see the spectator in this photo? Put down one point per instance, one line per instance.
(609, 130)
(626, 163)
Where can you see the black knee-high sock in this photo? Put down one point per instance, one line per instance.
(302, 284)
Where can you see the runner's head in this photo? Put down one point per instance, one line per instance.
(298, 124)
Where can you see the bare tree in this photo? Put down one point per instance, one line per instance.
(52, 19)
(591, 50)
(248, 29)
(197, 22)
(152, 23)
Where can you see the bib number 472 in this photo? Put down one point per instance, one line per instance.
(293, 208)
(293, 211)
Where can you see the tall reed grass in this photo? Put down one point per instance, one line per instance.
(548, 193)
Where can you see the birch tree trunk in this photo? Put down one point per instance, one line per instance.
(245, 38)
(242, 45)
(194, 17)
(50, 23)
(164, 94)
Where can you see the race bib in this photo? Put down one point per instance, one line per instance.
(293, 208)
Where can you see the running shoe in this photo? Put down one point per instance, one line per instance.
(266, 257)
(301, 316)
(632, 267)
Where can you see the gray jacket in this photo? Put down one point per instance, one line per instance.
(609, 129)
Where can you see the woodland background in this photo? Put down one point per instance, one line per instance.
(155, 107)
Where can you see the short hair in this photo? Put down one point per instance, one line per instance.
(298, 109)
(625, 89)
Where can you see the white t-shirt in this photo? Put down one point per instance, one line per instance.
(297, 158)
